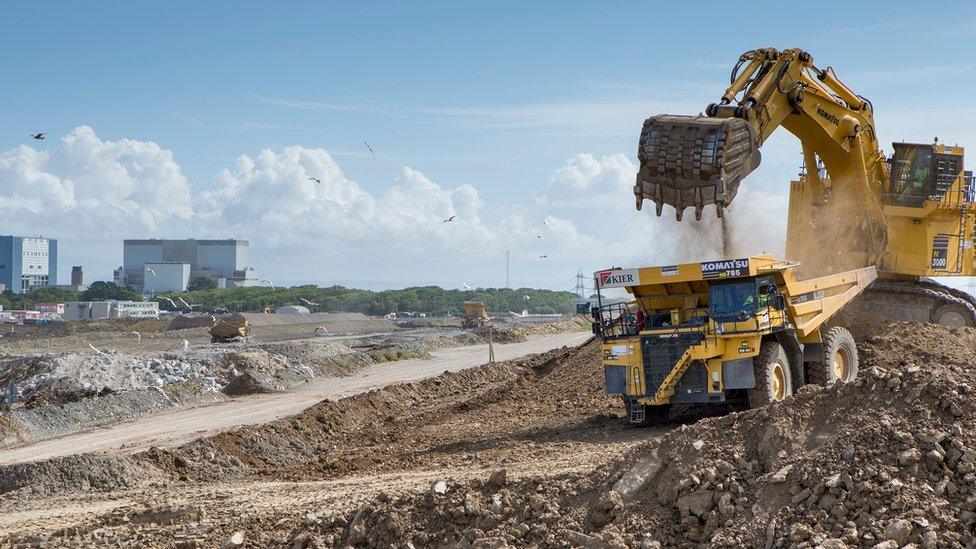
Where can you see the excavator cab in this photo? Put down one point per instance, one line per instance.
(925, 172)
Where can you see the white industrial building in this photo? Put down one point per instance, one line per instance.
(78, 310)
(166, 277)
(223, 261)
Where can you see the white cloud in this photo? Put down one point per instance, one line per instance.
(87, 184)
(91, 194)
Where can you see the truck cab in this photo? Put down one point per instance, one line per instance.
(719, 331)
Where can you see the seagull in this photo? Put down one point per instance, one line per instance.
(466, 287)
(315, 179)
(150, 270)
(370, 150)
(525, 297)
(39, 136)
(269, 283)
(543, 256)
(307, 302)
(449, 219)
(186, 345)
(538, 236)
(545, 222)
(138, 335)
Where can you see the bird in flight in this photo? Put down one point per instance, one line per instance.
(466, 287)
(39, 136)
(545, 222)
(315, 179)
(370, 150)
(543, 256)
(449, 219)
(150, 270)
(538, 236)
(307, 302)
(269, 284)
(525, 297)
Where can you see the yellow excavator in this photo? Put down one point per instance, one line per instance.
(910, 215)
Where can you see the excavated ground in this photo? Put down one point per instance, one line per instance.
(531, 452)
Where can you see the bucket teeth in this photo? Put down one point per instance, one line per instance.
(694, 161)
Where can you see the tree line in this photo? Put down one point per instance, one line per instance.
(424, 299)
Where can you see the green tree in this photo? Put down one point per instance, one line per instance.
(201, 283)
(100, 290)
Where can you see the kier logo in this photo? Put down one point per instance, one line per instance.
(619, 278)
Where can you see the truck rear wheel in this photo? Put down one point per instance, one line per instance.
(773, 379)
(839, 362)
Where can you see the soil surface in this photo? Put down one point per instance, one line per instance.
(531, 452)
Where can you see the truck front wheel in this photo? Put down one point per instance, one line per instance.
(773, 379)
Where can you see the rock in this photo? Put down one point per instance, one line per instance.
(930, 540)
(606, 509)
(780, 476)
(696, 503)
(934, 456)
(832, 543)
(698, 444)
(886, 545)
(439, 488)
(908, 457)
(898, 531)
(236, 539)
(498, 478)
(638, 476)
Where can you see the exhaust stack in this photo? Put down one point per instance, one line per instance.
(693, 161)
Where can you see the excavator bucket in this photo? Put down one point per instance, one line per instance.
(693, 161)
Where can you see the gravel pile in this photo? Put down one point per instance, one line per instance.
(886, 461)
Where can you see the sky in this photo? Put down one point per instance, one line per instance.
(206, 119)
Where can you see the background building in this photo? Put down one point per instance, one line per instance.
(224, 261)
(28, 262)
(166, 277)
(78, 310)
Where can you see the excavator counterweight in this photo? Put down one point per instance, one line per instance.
(693, 161)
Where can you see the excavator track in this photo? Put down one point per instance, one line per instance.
(950, 306)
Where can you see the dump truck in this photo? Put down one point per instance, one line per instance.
(475, 315)
(723, 331)
(229, 328)
(911, 214)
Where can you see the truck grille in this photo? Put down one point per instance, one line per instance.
(661, 352)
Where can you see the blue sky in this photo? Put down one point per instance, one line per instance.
(498, 97)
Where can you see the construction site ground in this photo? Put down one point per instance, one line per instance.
(531, 452)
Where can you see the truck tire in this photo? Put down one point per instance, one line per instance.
(953, 315)
(839, 360)
(774, 381)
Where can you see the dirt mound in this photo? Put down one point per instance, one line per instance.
(400, 427)
(74, 473)
(889, 458)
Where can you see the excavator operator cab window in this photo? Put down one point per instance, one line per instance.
(911, 174)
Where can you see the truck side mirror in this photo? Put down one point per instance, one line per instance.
(779, 301)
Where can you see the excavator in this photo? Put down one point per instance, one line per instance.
(910, 215)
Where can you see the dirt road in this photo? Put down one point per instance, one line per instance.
(179, 426)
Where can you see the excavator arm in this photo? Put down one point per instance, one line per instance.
(700, 160)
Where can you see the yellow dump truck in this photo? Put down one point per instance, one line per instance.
(228, 328)
(720, 331)
(475, 315)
